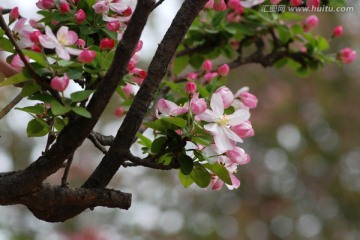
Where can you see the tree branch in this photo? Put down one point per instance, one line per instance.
(143, 99)
(12, 104)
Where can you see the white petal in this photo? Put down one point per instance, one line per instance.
(47, 42)
(50, 34)
(222, 142)
(231, 135)
(212, 127)
(217, 105)
(73, 51)
(238, 117)
(118, 7)
(62, 52)
(208, 116)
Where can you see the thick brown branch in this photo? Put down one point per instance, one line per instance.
(54, 203)
(143, 99)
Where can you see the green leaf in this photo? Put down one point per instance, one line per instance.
(60, 123)
(30, 89)
(200, 176)
(37, 57)
(58, 109)
(186, 163)
(74, 73)
(322, 43)
(175, 121)
(37, 128)
(220, 171)
(186, 180)
(80, 95)
(158, 144)
(46, 98)
(166, 159)
(6, 45)
(156, 125)
(37, 109)
(17, 78)
(144, 140)
(81, 111)
(284, 33)
(180, 64)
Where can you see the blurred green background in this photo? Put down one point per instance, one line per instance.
(303, 181)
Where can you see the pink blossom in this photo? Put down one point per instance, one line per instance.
(209, 4)
(14, 14)
(130, 90)
(63, 38)
(139, 46)
(80, 43)
(275, 2)
(22, 33)
(168, 108)
(36, 48)
(120, 7)
(209, 76)
(64, 7)
(347, 55)
(107, 44)
(45, 4)
(219, 123)
(248, 99)
(17, 63)
(113, 26)
(190, 88)
(238, 156)
(34, 36)
(131, 65)
(80, 16)
(234, 4)
(87, 56)
(101, 7)
(220, 5)
(223, 70)
(216, 183)
(207, 66)
(140, 73)
(232, 17)
(35, 24)
(226, 95)
(244, 129)
(60, 83)
(119, 111)
(312, 4)
(310, 22)
(337, 31)
(192, 76)
(197, 105)
(295, 3)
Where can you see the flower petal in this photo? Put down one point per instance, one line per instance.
(222, 141)
(231, 135)
(62, 52)
(208, 116)
(238, 117)
(217, 105)
(46, 42)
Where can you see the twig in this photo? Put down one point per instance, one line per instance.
(96, 143)
(149, 163)
(12, 104)
(66, 171)
(102, 139)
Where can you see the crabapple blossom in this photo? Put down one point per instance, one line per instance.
(63, 38)
(197, 105)
(45, 4)
(226, 95)
(312, 3)
(337, 31)
(220, 5)
(209, 4)
(64, 7)
(295, 3)
(248, 99)
(209, 76)
(113, 26)
(14, 14)
(275, 2)
(80, 16)
(192, 76)
(34, 36)
(347, 55)
(223, 70)
(238, 156)
(60, 83)
(216, 183)
(207, 66)
(107, 44)
(80, 43)
(22, 33)
(244, 129)
(130, 89)
(219, 124)
(168, 108)
(17, 63)
(87, 56)
(310, 22)
(190, 88)
(119, 111)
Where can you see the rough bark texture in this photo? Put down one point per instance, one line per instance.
(56, 203)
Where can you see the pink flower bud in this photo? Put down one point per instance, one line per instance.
(127, 12)
(234, 4)
(107, 44)
(131, 65)
(192, 76)
(45, 4)
(169, 108)
(295, 3)
(129, 90)
(119, 111)
(226, 95)
(87, 56)
(36, 48)
(238, 156)
(275, 2)
(347, 55)
(34, 36)
(60, 83)
(207, 66)
(190, 88)
(220, 5)
(64, 7)
(137, 72)
(139, 46)
(248, 99)
(17, 63)
(209, 76)
(80, 43)
(35, 24)
(14, 14)
(80, 16)
(197, 105)
(338, 31)
(101, 7)
(113, 26)
(243, 130)
(311, 4)
(209, 4)
(310, 22)
(232, 17)
(223, 70)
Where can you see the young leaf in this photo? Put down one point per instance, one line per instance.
(144, 140)
(37, 57)
(80, 95)
(158, 144)
(175, 121)
(37, 109)
(37, 128)
(220, 171)
(29, 89)
(60, 123)
(156, 125)
(81, 111)
(186, 180)
(186, 163)
(200, 176)
(17, 78)
(58, 109)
